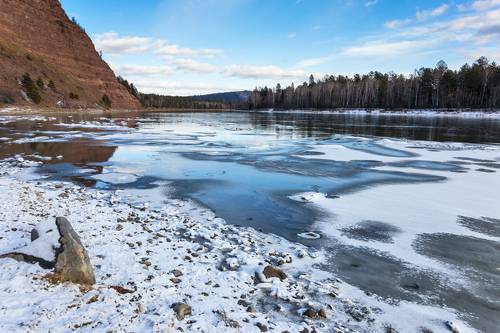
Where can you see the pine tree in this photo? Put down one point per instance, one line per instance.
(105, 102)
(52, 86)
(31, 89)
(40, 83)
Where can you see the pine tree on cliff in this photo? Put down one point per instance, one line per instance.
(105, 102)
(30, 88)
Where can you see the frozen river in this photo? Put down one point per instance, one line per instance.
(405, 206)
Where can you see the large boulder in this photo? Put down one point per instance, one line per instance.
(56, 245)
(72, 262)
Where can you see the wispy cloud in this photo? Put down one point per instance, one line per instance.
(270, 71)
(111, 42)
(386, 48)
(485, 4)
(420, 15)
(190, 65)
(438, 11)
(176, 50)
(311, 62)
(472, 26)
(371, 3)
(138, 70)
(394, 24)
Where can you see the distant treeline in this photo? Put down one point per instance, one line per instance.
(178, 102)
(475, 86)
(171, 102)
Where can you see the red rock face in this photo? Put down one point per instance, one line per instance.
(37, 37)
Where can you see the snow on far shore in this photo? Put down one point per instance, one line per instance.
(409, 113)
(178, 252)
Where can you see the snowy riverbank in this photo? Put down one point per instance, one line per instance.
(178, 252)
(400, 113)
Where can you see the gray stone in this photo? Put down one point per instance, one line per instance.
(34, 234)
(262, 327)
(72, 262)
(182, 310)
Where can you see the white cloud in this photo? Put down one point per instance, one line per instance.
(385, 48)
(190, 65)
(485, 4)
(371, 3)
(394, 24)
(311, 62)
(470, 29)
(292, 35)
(438, 11)
(111, 42)
(246, 71)
(176, 50)
(138, 70)
(420, 15)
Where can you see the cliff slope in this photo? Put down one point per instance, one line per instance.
(38, 38)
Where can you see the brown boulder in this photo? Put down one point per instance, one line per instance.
(272, 272)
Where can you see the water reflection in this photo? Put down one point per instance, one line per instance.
(473, 130)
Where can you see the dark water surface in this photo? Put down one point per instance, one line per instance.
(246, 166)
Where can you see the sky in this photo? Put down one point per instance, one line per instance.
(191, 47)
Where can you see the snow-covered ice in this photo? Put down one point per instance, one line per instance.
(179, 252)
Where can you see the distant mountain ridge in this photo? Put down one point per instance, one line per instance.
(227, 97)
(63, 66)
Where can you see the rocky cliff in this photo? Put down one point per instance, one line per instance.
(38, 38)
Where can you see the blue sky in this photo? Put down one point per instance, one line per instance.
(203, 46)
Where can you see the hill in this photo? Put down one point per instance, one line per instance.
(227, 97)
(63, 68)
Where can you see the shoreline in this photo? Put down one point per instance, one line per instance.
(460, 113)
(136, 246)
(28, 110)
(464, 113)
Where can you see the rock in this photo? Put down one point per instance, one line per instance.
(176, 280)
(57, 246)
(93, 299)
(452, 327)
(176, 273)
(244, 303)
(182, 310)
(390, 329)
(322, 313)
(121, 290)
(271, 272)
(72, 263)
(311, 313)
(262, 327)
(251, 309)
(34, 234)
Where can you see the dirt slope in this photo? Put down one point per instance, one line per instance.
(37, 37)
